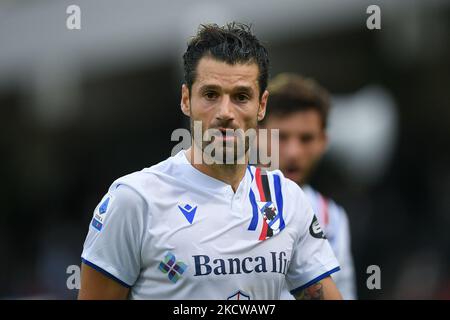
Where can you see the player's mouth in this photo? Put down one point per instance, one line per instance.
(227, 134)
(292, 172)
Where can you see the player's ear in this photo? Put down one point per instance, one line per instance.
(185, 100)
(263, 105)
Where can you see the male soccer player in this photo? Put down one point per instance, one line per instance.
(187, 229)
(299, 108)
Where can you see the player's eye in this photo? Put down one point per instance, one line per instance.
(242, 97)
(307, 138)
(210, 95)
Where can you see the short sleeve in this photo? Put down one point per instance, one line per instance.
(312, 258)
(113, 243)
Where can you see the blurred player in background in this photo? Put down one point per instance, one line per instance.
(299, 108)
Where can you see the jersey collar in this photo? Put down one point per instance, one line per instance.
(203, 180)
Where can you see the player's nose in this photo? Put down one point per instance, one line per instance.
(225, 109)
(293, 149)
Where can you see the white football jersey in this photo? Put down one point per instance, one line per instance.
(172, 232)
(333, 219)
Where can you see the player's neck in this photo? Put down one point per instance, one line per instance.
(231, 174)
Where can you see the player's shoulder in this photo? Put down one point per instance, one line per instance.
(149, 177)
(335, 210)
(131, 192)
(125, 192)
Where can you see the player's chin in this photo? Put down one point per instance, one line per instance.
(294, 175)
(229, 155)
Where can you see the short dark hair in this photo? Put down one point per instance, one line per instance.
(232, 43)
(289, 93)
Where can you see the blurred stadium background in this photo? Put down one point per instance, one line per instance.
(80, 108)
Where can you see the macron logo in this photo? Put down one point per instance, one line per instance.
(188, 212)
